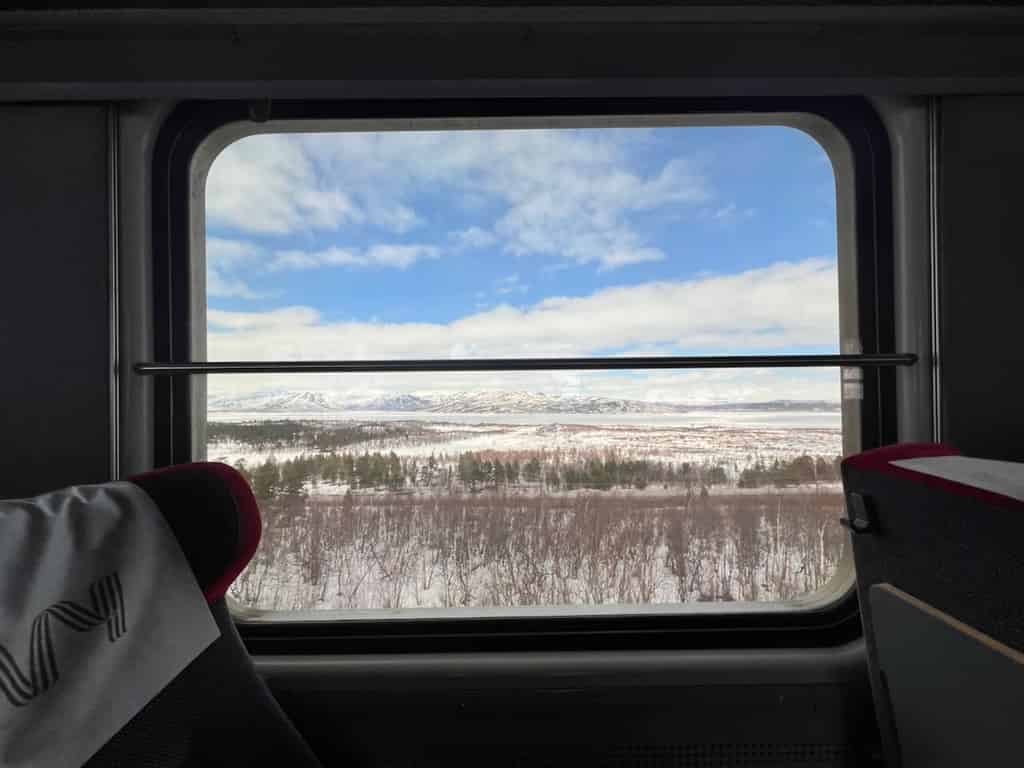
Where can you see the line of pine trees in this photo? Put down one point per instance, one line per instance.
(289, 477)
(476, 472)
(320, 438)
(802, 470)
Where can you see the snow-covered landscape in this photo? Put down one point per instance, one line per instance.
(502, 402)
(519, 499)
(519, 485)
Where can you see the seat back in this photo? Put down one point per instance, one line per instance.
(949, 545)
(956, 694)
(218, 711)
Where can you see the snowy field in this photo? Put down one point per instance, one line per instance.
(489, 551)
(440, 540)
(735, 438)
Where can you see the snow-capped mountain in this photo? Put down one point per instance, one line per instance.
(532, 402)
(282, 402)
(479, 402)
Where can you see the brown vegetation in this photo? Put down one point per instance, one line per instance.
(390, 550)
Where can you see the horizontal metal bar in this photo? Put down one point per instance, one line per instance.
(527, 364)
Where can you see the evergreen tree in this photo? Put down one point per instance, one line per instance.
(293, 477)
(531, 470)
(266, 480)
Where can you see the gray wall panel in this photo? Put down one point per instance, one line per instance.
(389, 52)
(981, 262)
(54, 326)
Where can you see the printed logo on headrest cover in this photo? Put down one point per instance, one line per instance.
(106, 607)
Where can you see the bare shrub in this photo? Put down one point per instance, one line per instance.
(492, 548)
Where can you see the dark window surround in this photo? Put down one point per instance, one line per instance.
(833, 624)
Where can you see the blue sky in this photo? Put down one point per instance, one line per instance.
(527, 242)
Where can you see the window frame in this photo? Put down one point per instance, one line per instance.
(176, 323)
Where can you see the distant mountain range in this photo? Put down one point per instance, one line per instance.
(309, 401)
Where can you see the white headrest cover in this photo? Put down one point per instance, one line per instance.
(99, 611)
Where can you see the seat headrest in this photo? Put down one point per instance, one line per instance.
(880, 459)
(213, 514)
(995, 482)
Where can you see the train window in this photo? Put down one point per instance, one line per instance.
(514, 488)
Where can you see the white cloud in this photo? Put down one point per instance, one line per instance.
(570, 197)
(728, 214)
(472, 238)
(509, 284)
(391, 215)
(331, 257)
(268, 184)
(272, 320)
(223, 256)
(567, 195)
(400, 256)
(691, 387)
(624, 256)
(223, 286)
(224, 253)
(785, 305)
(384, 255)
